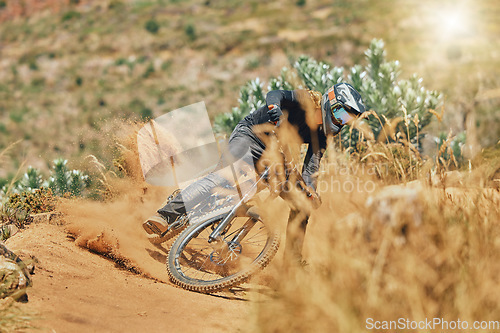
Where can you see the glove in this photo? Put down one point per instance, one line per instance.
(274, 113)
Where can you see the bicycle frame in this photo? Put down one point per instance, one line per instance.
(223, 224)
(290, 167)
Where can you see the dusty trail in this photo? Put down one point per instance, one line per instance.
(77, 288)
(78, 291)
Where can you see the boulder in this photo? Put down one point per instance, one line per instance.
(14, 275)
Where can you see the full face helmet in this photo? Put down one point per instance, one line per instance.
(339, 105)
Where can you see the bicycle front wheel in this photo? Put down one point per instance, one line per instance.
(246, 246)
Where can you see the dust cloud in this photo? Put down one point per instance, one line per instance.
(113, 227)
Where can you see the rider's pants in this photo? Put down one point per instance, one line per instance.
(243, 145)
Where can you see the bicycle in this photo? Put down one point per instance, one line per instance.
(226, 246)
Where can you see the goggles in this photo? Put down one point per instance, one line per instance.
(340, 115)
(338, 110)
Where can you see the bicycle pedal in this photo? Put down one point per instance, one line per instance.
(153, 228)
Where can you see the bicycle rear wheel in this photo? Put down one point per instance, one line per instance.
(197, 265)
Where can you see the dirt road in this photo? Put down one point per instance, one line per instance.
(75, 290)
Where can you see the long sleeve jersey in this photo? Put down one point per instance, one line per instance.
(289, 102)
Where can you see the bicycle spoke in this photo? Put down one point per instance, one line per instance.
(205, 261)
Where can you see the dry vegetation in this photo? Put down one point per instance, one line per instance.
(421, 250)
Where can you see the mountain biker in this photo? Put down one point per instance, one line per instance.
(313, 115)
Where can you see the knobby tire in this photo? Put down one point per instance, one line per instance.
(183, 258)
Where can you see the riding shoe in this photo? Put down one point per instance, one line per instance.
(156, 224)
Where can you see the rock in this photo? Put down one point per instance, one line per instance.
(395, 204)
(397, 207)
(14, 275)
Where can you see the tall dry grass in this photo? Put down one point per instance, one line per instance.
(417, 250)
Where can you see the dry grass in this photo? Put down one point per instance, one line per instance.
(12, 317)
(386, 252)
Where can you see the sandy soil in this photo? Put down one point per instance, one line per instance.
(75, 290)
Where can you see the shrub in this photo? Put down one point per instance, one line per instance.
(32, 195)
(146, 114)
(251, 98)
(16, 117)
(33, 65)
(121, 61)
(115, 4)
(66, 182)
(139, 108)
(404, 104)
(18, 207)
(61, 182)
(190, 32)
(70, 15)
(450, 149)
(31, 180)
(149, 70)
(152, 26)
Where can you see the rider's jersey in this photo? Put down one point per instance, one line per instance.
(289, 102)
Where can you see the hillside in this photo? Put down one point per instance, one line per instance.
(73, 71)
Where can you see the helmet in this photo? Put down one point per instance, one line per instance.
(340, 104)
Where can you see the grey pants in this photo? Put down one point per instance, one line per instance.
(243, 145)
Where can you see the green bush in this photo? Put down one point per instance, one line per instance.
(152, 26)
(70, 15)
(32, 195)
(16, 117)
(33, 65)
(66, 182)
(450, 149)
(31, 180)
(79, 81)
(138, 107)
(146, 114)
(61, 181)
(251, 98)
(121, 61)
(115, 4)
(390, 99)
(149, 71)
(190, 31)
